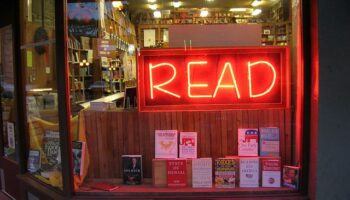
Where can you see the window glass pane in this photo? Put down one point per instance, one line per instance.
(8, 96)
(38, 65)
(105, 41)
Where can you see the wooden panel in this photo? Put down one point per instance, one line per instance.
(112, 134)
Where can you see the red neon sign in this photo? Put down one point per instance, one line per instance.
(213, 79)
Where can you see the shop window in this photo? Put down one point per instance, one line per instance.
(220, 71)
(38, 65)
(8, 95)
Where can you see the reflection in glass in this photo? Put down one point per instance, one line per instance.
(38, 65)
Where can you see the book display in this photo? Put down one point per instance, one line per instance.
(226, 172)
(176, 173)
(78, 151)
(132, 169)
(193, 100)
(188, 145)
(291, 176)
(166, 144)
(248, 142)
(271, 172)
(249, 172)
(269, 141)
(202, 169)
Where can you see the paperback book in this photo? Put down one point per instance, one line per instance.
(176, 173)
(132, 169)
(291, 176)
(225, 172)
(202, 173)
(271, 172)
(249, 172)
(52, 147)
(166, 144)
(11, 135)
(78, 157)
(105, 186)
(248, 142)
(188, 145)
(34, 161)
(269, 141)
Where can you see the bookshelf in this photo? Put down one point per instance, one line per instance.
(276, 34)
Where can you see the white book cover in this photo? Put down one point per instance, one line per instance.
(271, 173)
(11, 135)
(248, 142)
(249, 172)
(188, 145)
(166, 144)
(202, 170)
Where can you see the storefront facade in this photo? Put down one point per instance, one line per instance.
(139, 126)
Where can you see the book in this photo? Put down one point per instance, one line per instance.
(11, 135)
(202, 170)
(269, 141)
(78, 151)
(291, 176)
(249, 172)
(166, 143)
(51, 143)
(188, 145)
(159, 172)
(225, 172)
(247, 142)
(271, 172)
(104, 186)
(132, 169)
(34, 161)
(176, 173)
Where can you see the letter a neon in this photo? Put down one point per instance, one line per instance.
(158, 87)
(219, 85)
(250, 65)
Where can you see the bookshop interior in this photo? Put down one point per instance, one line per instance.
(202, 95)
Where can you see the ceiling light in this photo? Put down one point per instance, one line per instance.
(256, 3)
(117, 4)
(176, 4)
(157, 14)
(256, 12)
(152, 1)
(204, 13)
(152, 6)
(238, 9)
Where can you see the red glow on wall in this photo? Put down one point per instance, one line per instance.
(213, 79)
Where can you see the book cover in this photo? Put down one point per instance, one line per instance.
(247, 142)
(202, 170)
(269, 141)
(225, 172)
(34, 161)
(166, 144)
(291, 176)
(271, 172)
(159, 172)
(52, 147)
(132, 169)
(176, 173)
(249, 172)
(78, 151)
(11, 135)
(188, 145)
(104, 186)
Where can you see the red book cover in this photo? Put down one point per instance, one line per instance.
(105, 186)
(176, 173)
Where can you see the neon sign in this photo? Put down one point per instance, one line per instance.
(213, 79)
